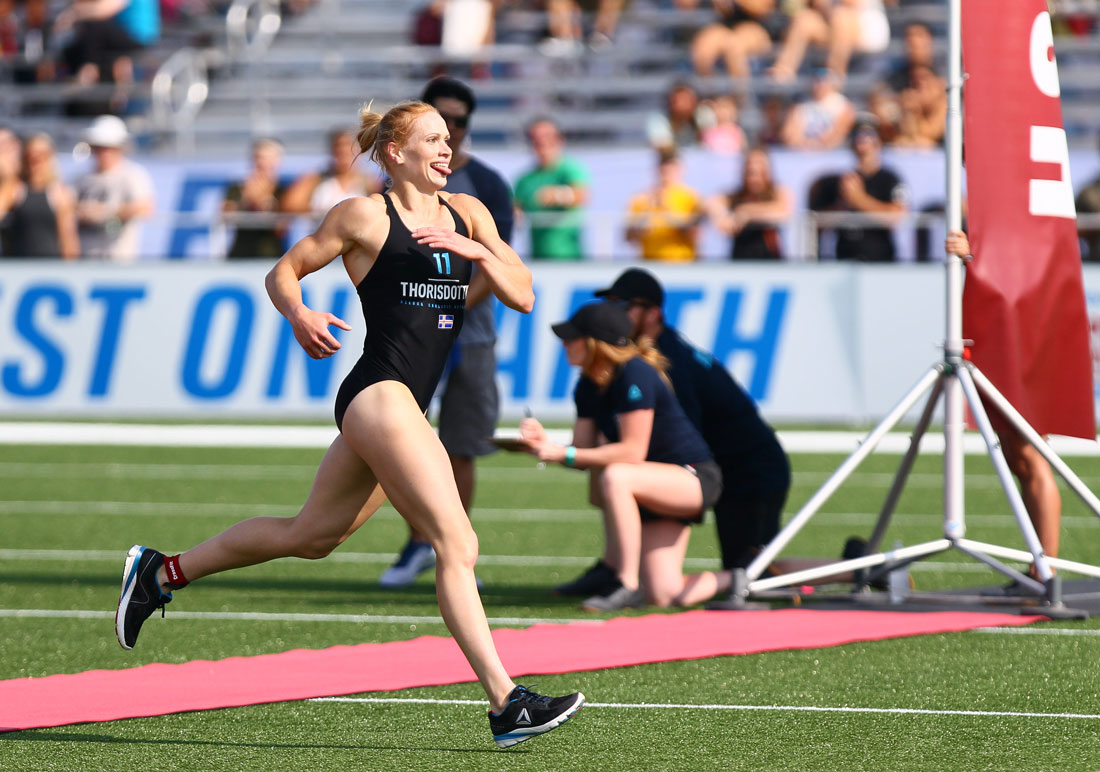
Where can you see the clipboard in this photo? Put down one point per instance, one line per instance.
(513, 444)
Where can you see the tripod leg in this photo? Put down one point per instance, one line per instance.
(1032, 436)
(904, 468)
(1001, 466)
(768, 554)
(954, 489)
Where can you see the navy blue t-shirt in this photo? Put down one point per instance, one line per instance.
(752, 460)
(638, 386)
(481, 182)
(486, 185)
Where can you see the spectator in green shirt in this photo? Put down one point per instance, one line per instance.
(552, 195)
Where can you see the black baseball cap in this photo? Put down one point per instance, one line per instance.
(603, 321)
(636, 284)
(443, 86)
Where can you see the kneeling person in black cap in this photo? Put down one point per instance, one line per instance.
(756, 474)
(653, 471)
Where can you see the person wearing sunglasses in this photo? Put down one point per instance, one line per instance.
(469, 403)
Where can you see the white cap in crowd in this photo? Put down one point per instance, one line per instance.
(107, 131)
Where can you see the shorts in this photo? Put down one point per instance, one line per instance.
(469, 404)
(774, 24)
(710, 478)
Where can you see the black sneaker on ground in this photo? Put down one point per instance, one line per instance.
(1013, 589)
(141, 593)
(619, 598)
(529, 714)
(600, 579)
(873, 577)
(854, 548)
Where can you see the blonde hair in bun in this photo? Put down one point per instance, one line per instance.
(377, 131)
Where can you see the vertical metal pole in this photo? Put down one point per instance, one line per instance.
(954, 524)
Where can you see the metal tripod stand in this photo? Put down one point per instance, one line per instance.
(955, 379)
(953, 376)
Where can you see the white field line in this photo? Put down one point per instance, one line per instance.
(551, 476)
(224, 435)
(387, 619)
(152, 471)
(166, 435)
(385, 558)
(486, 514)
(1037, 631)
(898, 442)
(216, 509)
(264, 616)
(776, 708)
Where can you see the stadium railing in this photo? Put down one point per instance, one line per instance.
(605, 231)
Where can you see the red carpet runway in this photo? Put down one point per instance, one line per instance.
(153, 690)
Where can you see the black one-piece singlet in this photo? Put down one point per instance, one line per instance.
(413, 301)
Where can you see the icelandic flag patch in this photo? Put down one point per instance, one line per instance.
(446, 321)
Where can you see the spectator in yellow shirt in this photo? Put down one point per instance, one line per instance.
(664, 221)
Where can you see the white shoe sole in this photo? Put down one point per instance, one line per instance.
(129, 581)
(522, 735)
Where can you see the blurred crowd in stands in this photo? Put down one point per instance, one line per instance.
(100, 212)
(98, 217)
(92, 47)
(96, 50)
(663, 221)
(806, 51)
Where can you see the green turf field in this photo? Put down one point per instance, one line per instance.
(983, 700)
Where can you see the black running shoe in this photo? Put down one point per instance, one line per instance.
(529, 714)
(1013, 589)
(874, 577)
(619, 598)
(854, 548)
(141, 593)
(600, 579)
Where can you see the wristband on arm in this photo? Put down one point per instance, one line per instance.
(570, 459)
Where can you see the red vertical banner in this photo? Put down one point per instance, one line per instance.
(1024, 299)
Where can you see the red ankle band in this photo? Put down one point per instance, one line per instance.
(175, 576)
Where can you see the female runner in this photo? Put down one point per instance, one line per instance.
(409, 253)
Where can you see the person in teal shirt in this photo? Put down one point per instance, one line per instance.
(553, 195)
